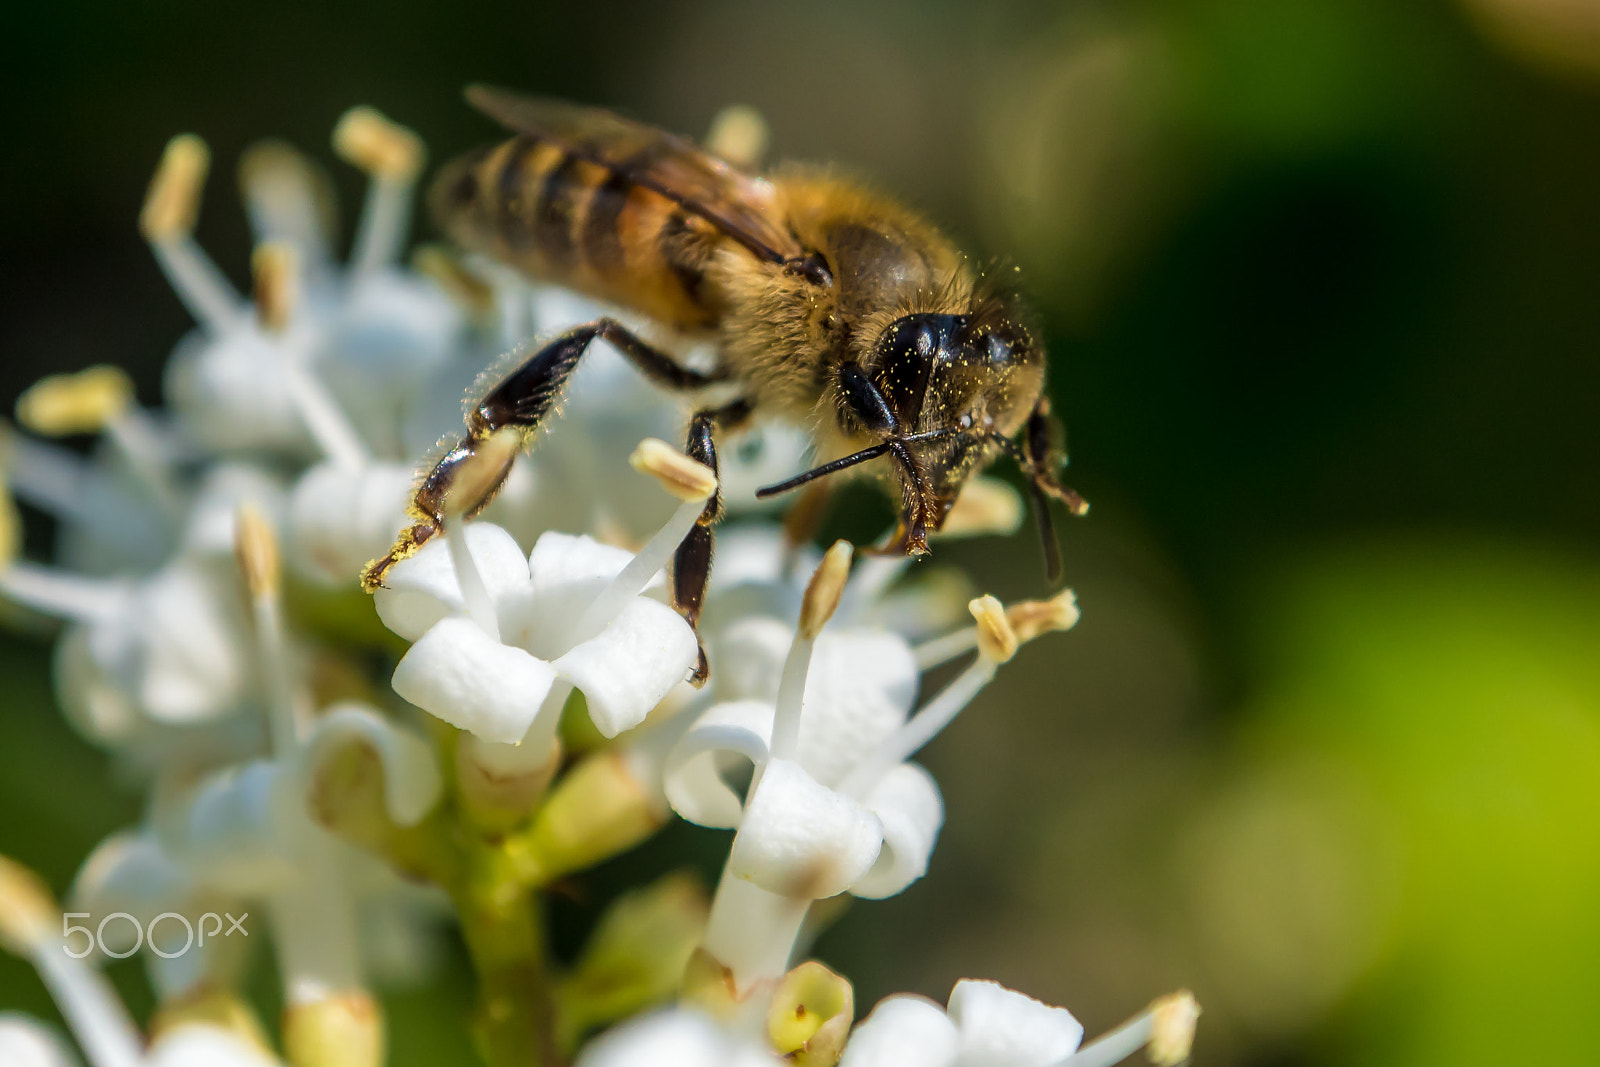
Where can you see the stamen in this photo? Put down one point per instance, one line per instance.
(688, 480)
(28, 926)
(821, 598)
(392, 155)
(255, 548)
(324, 420)
(739, 135)
(62, 594)
(685, 478)
(1028, 618)
(474, 592)
(1166, 1027)
(167, 222)
(474, 480)
(275, 266)
(63, 404)
(173, 202)
(1031, 618)
(997, 641)
(288, 198)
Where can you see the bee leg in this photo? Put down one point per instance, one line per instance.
(519, 402)
(1043, 458)
(691, 564)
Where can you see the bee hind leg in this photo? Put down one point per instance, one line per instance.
(520, 401)
(691, 564)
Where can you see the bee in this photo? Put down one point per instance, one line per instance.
(829, 304)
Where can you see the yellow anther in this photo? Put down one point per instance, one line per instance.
(1030, 618)
(685, 478)
(1172, 1023)
(173, 201)
(75, 403)
(275, 267)
(825, 588)
(739, 135)
(997, 641)
(379, 146)
(255, 546)
(28, 913)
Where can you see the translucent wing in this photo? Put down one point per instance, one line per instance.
(739, 204)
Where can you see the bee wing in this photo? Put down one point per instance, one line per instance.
(739, 204)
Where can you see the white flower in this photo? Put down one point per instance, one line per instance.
(571, 614)
(371, 333)
(26, 1042)
(166, 650)
(988, 1025)
(833, 806)
(677, 1037)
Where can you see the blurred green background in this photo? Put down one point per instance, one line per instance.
(1322, 284)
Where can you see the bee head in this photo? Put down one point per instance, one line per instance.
(955, 383)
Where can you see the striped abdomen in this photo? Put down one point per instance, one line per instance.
(533, 205)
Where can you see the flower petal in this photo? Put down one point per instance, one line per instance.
(1003, 1028)
(903, 1031)
(465, 677)
(693, 775)
(27, 1042)
(802, 839)
(906, 801)
(675, 1037)
(411, 783)
(421, 590)
(204, 1045)
(631, 665)
(130, 872)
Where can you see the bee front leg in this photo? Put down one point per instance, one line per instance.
(519, 402)
(691, 564)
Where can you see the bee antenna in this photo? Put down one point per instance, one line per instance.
(823, 471)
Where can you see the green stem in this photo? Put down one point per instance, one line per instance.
(503, 925)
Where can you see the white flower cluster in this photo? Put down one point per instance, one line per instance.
(538, 718)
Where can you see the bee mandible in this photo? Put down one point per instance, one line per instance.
(829, 304)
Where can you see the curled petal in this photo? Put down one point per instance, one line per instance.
(1003, 1028)
(231, 394)
(906, 801)
(693, 776)
(421, 590)
(631, 665)
(465, 677)
(903, 1031)
(130, 872)
(411, 783)
(567, 564)
(801, 839)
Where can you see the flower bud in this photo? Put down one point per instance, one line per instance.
(810, 1015)
(343, 1030)
(600, 808)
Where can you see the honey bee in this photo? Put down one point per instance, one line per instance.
(829, 304)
